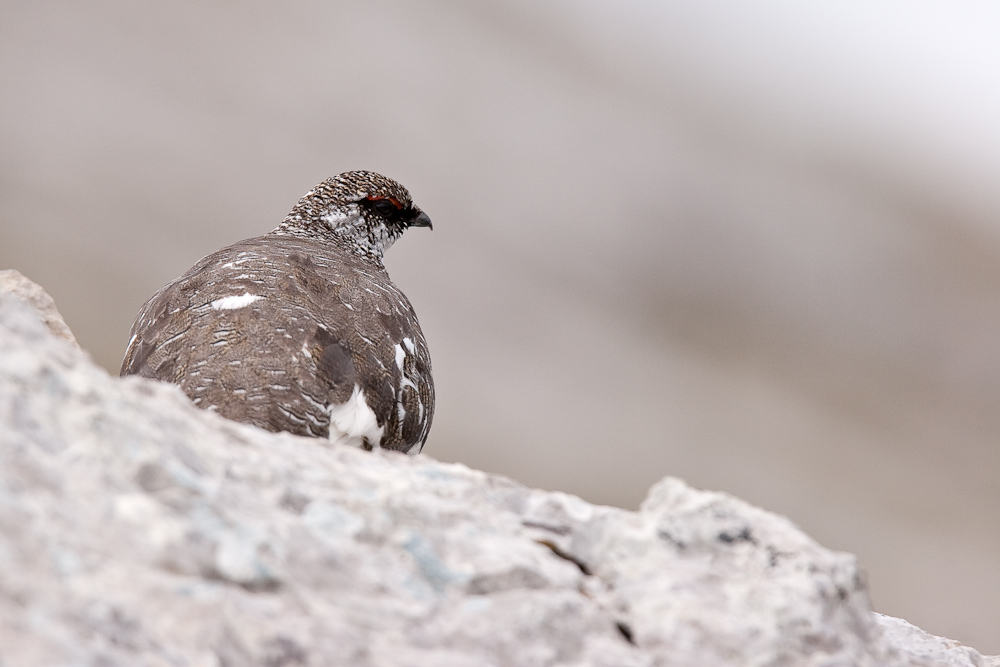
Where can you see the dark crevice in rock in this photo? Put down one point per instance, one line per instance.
(565, 556)
(744, 535)
(558, 530)
(625, 631)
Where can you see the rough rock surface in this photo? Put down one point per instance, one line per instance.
(138, 530)
(14, 283)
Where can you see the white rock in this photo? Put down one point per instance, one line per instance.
(921, 649)
(15, 284)
(136, 529)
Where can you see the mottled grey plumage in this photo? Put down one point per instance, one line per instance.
(301, 329)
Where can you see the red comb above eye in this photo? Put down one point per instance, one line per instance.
(391, 200)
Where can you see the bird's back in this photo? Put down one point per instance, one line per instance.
(292, 334)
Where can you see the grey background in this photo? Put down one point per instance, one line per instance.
(754, 245)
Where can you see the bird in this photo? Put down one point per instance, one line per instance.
(301, 329)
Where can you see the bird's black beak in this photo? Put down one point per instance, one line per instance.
(421, 219)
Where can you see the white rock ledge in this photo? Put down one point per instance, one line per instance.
(136, 529)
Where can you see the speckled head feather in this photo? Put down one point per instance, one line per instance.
(362, 211)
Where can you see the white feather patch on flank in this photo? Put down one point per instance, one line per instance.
(400, 356)
(234, 302)
(353, 422)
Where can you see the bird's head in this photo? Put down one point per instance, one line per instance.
(363, 210)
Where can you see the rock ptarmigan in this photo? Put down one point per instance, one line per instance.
(301, 329)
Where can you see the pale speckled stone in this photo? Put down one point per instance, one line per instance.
(14, 283)
(921, 649)
(138, 530)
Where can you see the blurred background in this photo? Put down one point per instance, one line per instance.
(755, 245)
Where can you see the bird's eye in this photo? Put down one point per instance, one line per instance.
(386, 207)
